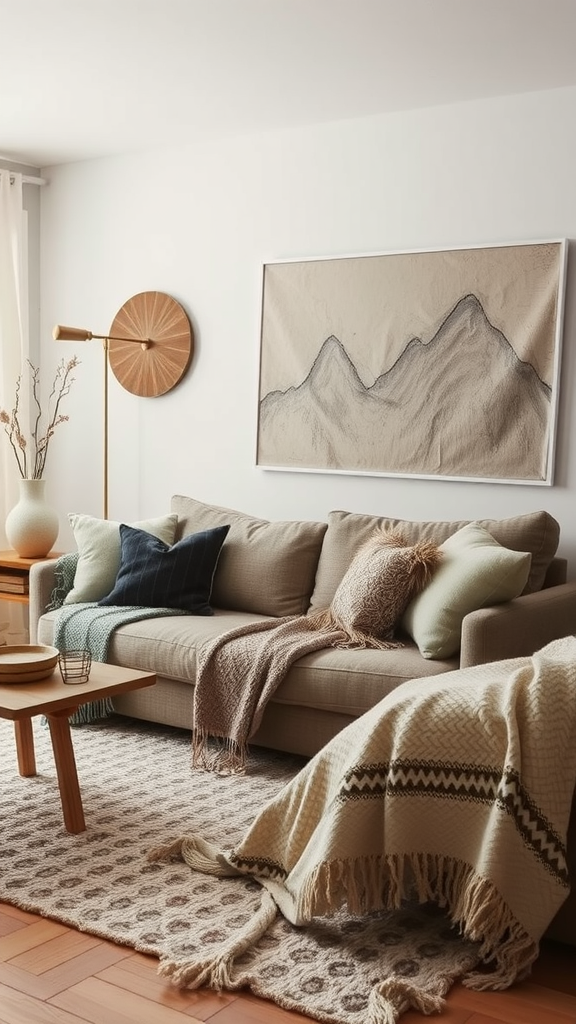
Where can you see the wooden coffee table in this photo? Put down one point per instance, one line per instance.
(19, 702)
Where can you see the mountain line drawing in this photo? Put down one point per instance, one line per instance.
(461, 405)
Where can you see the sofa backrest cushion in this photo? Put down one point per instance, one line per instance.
(264, 567)
(535, 532)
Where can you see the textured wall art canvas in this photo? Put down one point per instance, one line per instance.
(442, 363)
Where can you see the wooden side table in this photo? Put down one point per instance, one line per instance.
(20, 702)
(18, 570)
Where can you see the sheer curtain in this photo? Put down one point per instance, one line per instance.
(14, 350)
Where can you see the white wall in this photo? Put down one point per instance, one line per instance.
(199, 222)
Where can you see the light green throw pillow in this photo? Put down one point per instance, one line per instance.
(98, 543)
(475, 572)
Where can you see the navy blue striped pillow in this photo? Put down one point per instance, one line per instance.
(153, 574)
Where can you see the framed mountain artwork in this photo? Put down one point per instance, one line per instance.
(442, 363)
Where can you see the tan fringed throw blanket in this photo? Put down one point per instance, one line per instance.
(240, 671)
(237, 675)
(456, 790)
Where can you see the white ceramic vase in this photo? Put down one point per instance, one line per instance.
(32, 526)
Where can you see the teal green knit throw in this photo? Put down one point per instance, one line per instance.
(88, 627)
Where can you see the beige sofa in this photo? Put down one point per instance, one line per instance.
(270, 569)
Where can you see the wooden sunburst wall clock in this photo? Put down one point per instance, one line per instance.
(162, 327)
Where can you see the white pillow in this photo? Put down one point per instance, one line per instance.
(98, 543)
(475, 572)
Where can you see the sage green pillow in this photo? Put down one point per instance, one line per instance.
(475, 572)
(98, 543)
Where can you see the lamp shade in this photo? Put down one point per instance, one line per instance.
(61, 333)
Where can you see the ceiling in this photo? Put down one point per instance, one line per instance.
(81, 79)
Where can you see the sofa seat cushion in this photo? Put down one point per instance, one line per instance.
(168, 645)
(537, 533)
(264, 567)
(347, 681)
(352, 681)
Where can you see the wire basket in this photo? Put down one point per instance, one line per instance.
(75, 666)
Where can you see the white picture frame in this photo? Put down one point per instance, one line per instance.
(436, 363)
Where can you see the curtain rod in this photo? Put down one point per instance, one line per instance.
(27, 179)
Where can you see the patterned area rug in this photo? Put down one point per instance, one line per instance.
(139, 792)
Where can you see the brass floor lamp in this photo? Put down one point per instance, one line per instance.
(149, 348)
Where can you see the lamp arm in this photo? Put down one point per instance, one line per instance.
(61, 333)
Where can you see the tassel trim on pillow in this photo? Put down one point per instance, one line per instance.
(384, 576)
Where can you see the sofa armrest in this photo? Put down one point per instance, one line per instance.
(520, 627)
(42, 581)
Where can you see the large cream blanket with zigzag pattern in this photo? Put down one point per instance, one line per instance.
(455, 790)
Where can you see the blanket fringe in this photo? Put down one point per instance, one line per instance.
(477, 907)
(389, 999)
(363, 885)
(473, 903)
(229, 757)
(368, 884)
(216, 972)
(94, 711)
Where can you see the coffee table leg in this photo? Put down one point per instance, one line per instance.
(25, 746)
(66, 771)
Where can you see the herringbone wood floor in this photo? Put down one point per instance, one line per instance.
(50, 974)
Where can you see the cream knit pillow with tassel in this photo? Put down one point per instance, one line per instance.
(380, 582)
